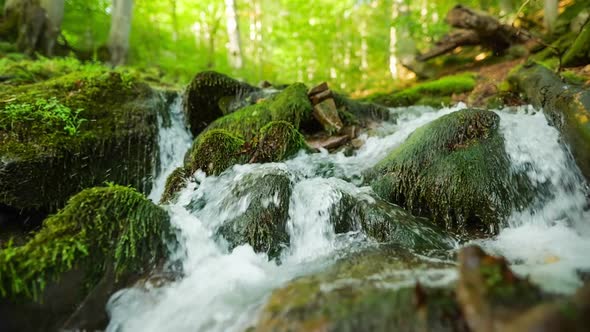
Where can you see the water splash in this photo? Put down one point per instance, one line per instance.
(222, 289)
(174, 140)
(548, 240)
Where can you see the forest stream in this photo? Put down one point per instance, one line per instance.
(224, 289)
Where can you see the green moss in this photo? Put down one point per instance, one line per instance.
(361, 291)
(216, 150)
(353, 112)
(27, 71)
(43, 164)
(99, 226)
(579, 53)
(427, 93)
(291, 105)
(277, 141)
(454, 169)
(174, 183)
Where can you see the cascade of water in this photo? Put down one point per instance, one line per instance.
(548, 240)
(222, 289)
(174, 139)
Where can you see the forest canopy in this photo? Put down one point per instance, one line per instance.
(354, 44)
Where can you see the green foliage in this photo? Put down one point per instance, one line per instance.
(99, 226)
(431, 93)
(46, 111)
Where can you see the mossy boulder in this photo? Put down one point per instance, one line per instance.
(110, 232)
(277, 141)
(208, 96)
(566, 107)
(216, 150)
(368, 291)
(432, 93)
(291, 105)
(454, 170)
(263, 224)
(73, 132)
(387, 223)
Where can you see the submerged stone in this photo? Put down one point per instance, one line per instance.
(369, 290)
(210, 95)
(454, 170)
(263, 224)
(104, 237)
(73, 132)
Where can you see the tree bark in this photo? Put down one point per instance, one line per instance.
(54, 10)
(550, 14)
(566, 107)
(121, 18)
(579, 52)
(233, 32)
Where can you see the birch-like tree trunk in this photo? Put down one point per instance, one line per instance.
(121, 16)
(550, 12)
(233, 32)
(54, 10)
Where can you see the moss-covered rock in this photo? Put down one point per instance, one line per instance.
(263, 224)
(387, 223)
(432, 93)
(277, 141)
(208, 95)
(216, 150)
(73, 132)
(367, 291)
(101, 229)
(291, 105)
(566, 107)
(455, 170)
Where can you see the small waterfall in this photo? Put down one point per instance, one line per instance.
(223, 289)
(174, 140)
(549, 240)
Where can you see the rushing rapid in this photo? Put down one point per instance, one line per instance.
(222, 289)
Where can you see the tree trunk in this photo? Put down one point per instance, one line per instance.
(54, 10)
(120, 28)
(174, 14)
(34, 24)
(579, 53)
(233, 32)
(550, 12)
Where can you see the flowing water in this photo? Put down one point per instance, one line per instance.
(223, 290)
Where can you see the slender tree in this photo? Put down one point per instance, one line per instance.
(233, 32)
(121, 16)
(54, 10)
(550, 12)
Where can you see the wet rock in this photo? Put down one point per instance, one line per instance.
(263, 224)
(566, 107)
(454, 170)
(353, 112)
(291, 105)
(372, 290)
(216, 150)
(387, 223)
(106, 131)
(278, 141)
(206, 92)
(101, 240)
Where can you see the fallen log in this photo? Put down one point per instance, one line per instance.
(475, 28)
(566, 107)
